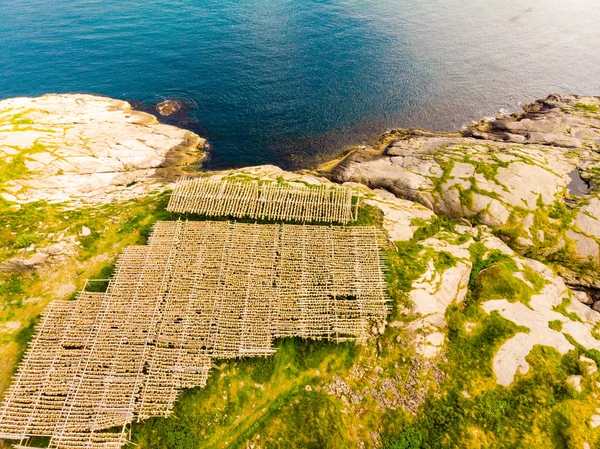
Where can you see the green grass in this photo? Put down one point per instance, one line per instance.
(265, 397)
(538, 410)
(14, 169)
(368, 216)
(12, 288)
(25, 240)
(406, 264)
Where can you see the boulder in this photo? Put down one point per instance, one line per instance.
(583, 297)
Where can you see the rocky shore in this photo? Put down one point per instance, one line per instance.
(533, 177)
(494, 256)
(86, 148)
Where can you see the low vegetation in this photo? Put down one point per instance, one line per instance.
(539, 410)
(24, 228)
(287, 400)
(587, 107)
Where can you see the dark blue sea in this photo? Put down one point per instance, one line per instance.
(291, 82)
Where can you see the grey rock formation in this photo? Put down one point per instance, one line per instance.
(513, 173)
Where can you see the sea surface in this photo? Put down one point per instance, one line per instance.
(291, 82)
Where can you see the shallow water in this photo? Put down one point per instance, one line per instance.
(577, 186)
(290, 82)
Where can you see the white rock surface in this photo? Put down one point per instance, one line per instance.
(497, 171)
(511, 357)
(575, 382)
(89, 148)
(433, 292)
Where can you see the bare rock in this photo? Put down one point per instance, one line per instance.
(19, 264)
(43, 257)
(543, 308)
(568, 121)
(510, 173)
(575, 383)
(90, 148)
(583, 297)
(433, 292)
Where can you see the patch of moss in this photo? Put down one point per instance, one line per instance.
(466, 197)
(20, 118)
(14, 169)
(536, 280)
(437, 224)
(447, 167)
(443, 260)
(555, 325)
(562, 309)
(23, 121)
(498, 281)
(587, 107)
(489, 170)
(406, 264)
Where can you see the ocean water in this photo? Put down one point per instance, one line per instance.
(291, 82)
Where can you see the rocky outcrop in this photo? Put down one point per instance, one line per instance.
(567, 121)
(548, 318)
(435, 291)
(87, 148)
(471, 311)
(532, 177)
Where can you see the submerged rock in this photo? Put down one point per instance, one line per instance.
(168, 107)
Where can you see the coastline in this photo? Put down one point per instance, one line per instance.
(492, 273)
